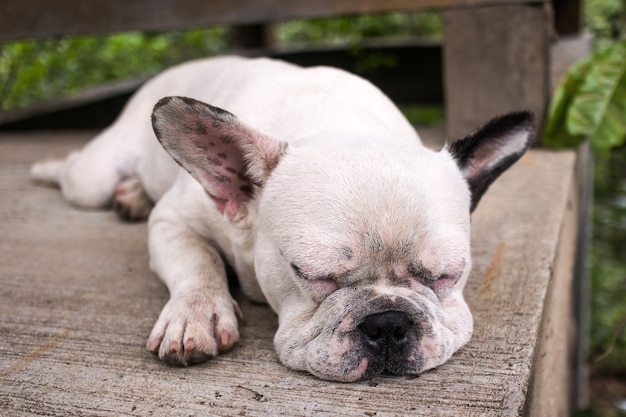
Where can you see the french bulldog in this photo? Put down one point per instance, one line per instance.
(318, 193)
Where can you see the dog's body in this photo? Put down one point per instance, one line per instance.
(330, 209)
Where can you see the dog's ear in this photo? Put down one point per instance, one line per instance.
(229, 159)
(486, 154)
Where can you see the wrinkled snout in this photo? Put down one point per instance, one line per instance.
(358, 334)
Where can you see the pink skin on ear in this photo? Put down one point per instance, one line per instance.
(223, 172)
(226, 157)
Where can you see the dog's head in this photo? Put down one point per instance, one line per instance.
(363, 244)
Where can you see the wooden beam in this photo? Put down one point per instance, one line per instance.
(92, 108)
(496, 60)
(554, 378)
(49, 18)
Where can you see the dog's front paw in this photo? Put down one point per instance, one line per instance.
(195, 327)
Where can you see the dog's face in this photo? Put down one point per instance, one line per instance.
(362, 244)
(364, 257)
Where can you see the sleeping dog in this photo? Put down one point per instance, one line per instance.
(312, 185)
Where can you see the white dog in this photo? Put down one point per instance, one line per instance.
(320, 195)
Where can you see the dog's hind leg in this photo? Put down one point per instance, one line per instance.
(130, 200)
(88, 178)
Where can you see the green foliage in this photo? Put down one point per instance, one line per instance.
(605, 20)
(36, 70)
(557, 134)
(591, 102)
(599, 107)
(608, 269)
(424, 115)
(353, 30)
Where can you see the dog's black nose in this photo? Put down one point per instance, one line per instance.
(386, 332)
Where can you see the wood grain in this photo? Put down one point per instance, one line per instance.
(77, 301)
(496, 60)
(48, 18)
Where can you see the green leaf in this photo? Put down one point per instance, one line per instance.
(556, 134)
(599, 108)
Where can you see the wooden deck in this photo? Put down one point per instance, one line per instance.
(77, 302)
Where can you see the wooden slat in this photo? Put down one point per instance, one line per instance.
(48, 18)
(553, 380)
(496, 60)
(78, 301)
(93, 108)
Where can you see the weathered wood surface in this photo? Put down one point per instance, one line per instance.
(46, 18)
(556, 359)
(77, 302)
(496, 60)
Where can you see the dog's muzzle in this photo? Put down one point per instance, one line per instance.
(386, 339)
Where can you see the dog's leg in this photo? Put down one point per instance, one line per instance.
(130, 200)
(231, 162)
(49, 170)
(200, 319)
(89, 177)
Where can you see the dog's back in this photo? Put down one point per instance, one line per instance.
(126, 166)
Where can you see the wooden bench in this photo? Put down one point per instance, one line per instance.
(78, 299)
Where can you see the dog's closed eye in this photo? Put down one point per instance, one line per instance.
(298, 271)
(319, 287)
(438, 283)
(444, 283)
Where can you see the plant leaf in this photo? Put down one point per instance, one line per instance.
(599, 108)
(556, 134)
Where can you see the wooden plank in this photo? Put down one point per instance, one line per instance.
(49, 18)
(496, 60)
(91, 108)
(78, 302)
(553, 377)
(581, 294)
